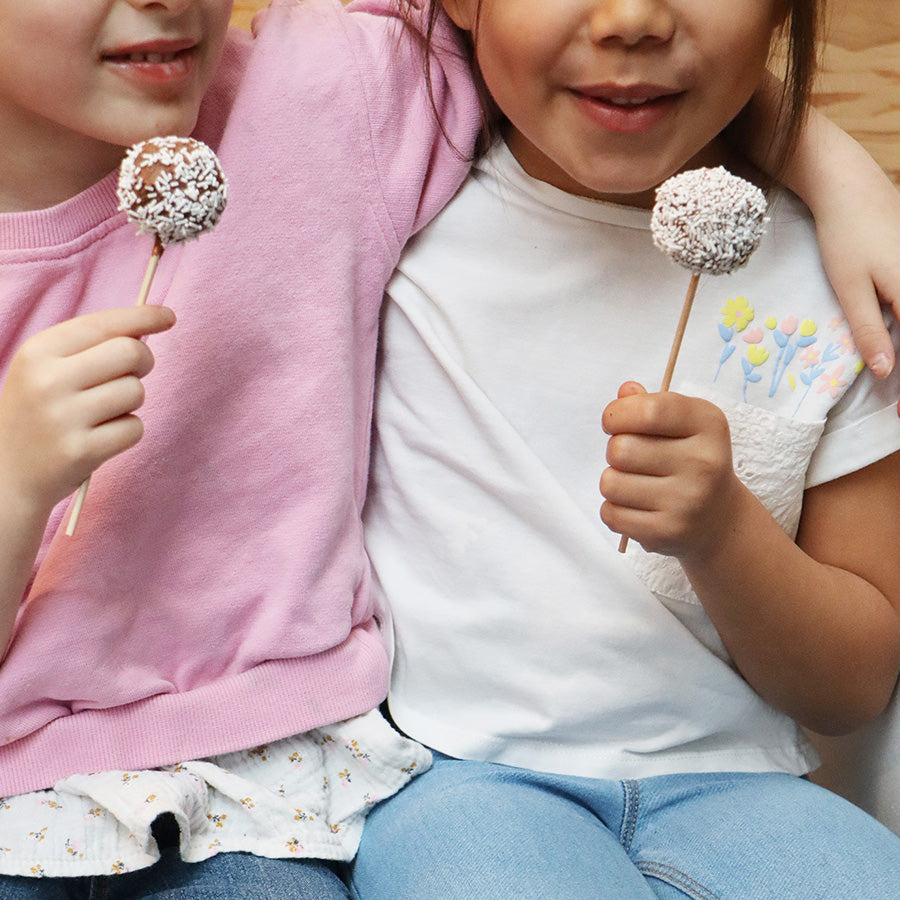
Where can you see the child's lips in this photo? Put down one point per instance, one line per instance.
(154, 62)
(626, 109)
(626, 95)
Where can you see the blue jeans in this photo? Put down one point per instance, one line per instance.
(468, 830)
(228, 876)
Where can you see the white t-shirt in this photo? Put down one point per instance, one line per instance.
(522, 635)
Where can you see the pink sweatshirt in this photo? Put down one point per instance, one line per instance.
(216, 593)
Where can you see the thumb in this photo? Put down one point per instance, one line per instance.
(630, 388)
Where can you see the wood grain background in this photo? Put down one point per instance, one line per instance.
(860, 83)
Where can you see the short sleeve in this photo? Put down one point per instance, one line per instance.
(862, 427)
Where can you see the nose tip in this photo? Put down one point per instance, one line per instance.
(632, 22)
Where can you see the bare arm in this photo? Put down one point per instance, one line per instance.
(66, 407)
(813, 626)
(857, 212)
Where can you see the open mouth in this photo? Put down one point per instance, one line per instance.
(625, 101)
(627, 111)
(152, 58)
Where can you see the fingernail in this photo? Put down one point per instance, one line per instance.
(881, 365)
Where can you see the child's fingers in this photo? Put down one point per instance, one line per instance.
(864, 314)
(110, 400)
(114, 437)
(644, 453)
(78, 334)
(665, 414)
(114, 358)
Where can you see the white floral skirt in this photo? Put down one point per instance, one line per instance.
(304, 796)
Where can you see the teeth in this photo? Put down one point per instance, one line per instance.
(625, 101)
(151, 57)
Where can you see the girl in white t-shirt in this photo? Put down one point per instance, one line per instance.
(607, 724)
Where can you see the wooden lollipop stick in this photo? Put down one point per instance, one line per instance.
(141, 300)
(673, 355)
(151, 271)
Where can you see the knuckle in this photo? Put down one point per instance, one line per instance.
(132, 353)
(137, 393)
(617, 450)
(864, 331)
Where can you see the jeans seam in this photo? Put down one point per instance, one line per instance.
(676, 879)
(631, 797)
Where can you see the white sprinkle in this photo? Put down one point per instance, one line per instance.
(708, 220)
(172, 187)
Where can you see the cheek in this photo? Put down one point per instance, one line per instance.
(514, 73)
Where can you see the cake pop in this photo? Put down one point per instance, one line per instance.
(710, 222)
(173, 188)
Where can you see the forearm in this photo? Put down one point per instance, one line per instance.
(22, 526)
(816, 641)
(820, 162)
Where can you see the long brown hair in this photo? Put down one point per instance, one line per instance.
(797, 47)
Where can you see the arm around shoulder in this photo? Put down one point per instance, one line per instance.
(857, 212)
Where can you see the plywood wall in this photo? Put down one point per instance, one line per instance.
(860, 83)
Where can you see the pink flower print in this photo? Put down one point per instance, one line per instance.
(753, 336)
(833, 382)
(845, 343)
(836, 323)
(789, 325)
(809, 357)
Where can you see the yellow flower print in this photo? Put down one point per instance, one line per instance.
(217, 820)
(38, 835)
(118, 867)
(38, 871)
(247, 802)
(737, 314)
(808, 328)
(293, 845)
(757, 355)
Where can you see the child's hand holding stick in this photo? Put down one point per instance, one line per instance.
(710, 222)
(174, 189)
